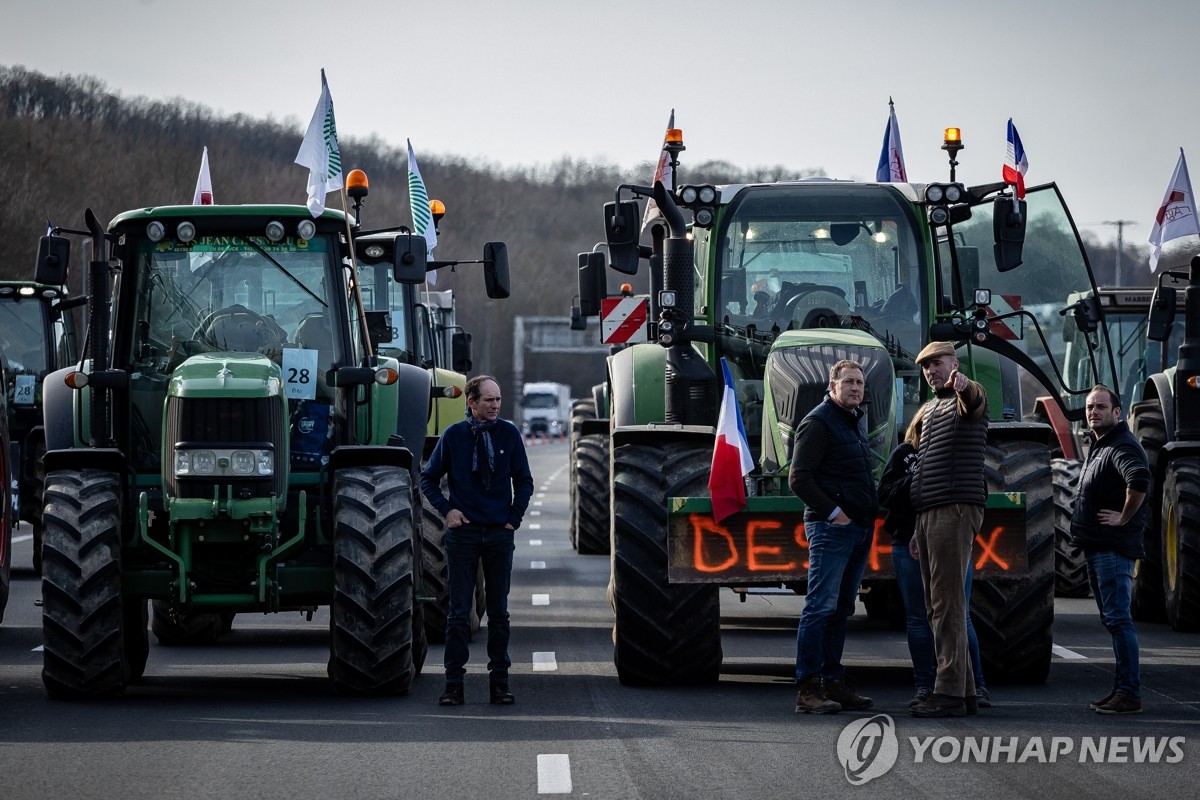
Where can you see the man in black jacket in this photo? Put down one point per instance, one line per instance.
(832, 473)
(1107, 525)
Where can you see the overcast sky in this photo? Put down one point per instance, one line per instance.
(1102, 92)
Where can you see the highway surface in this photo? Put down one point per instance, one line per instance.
(253, 716)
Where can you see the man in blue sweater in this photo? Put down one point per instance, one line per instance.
(483, 458)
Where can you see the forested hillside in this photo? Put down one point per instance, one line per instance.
(70, 142)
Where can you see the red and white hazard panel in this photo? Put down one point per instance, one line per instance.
(623, 319)
(1010, 328)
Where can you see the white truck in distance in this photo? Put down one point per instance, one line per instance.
(545, 409)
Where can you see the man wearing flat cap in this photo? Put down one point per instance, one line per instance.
(949, 494)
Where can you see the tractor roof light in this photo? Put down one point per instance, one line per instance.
(438, 209)
(934, 193)
(952, 141)
(307, 229)
(27, 291)
(688, 195)
(185, 232)
(275, 231)
(155, 231)
(703, 216)
(938, 215)
(357, 184)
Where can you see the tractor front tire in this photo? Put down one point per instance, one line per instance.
(435, 576)
(1148, 603)
(83, 612)
(1070, 563)
(592, 511)
(1181, 543)
(664, 633)
(371, 615)
(1014, 616)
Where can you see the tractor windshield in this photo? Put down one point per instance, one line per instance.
(23, 334)
(823, 254)
(381, 293)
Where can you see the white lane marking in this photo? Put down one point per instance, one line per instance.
(38, 649)
(25, 537)
(541, 599)
(537, 502)
(554, 773)
(1063, 652)
(535, 513)
(535, 542)
(536, 526)
(540, 494)
(537, 564)
(544, 662)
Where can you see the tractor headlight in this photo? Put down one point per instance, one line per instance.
(220, 462)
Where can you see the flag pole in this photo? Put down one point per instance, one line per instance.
(357, 290)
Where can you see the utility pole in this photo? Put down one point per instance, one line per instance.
(1120, 223)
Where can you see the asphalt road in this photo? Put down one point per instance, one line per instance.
(253, 716)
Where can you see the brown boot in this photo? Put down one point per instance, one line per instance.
(811, 699)
(940, 705)
(840, 691)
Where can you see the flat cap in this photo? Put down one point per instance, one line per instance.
(935, 349)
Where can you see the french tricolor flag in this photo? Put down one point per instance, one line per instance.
(1015, 162)
(731, 461)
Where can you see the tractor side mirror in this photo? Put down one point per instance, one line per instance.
(495, 270)
(379, 327)
(1008, 226)
(460, 352)
(409, 258)
(593, 285)
(1162, 314)
(54, 254)
(622, 228)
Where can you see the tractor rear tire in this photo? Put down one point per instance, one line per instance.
(664, 633)
(188, 629)
(580, 410)
(1070, 563)
(1181, 543)
(435, 575)
(371, 615)
(35, 512)
(1014, 616)
(83, 612)
(592, 511)
(1148, 603)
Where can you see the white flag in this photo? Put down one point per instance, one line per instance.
(661, 173)
(203, 196)
(1176, 216)
(319, 152)
(418, 198)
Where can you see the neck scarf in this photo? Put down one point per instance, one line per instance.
(483, 445)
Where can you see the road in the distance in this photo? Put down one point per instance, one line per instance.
(254, 717)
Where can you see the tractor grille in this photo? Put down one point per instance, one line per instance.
(225, 422)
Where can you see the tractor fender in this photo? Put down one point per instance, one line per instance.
(368, 455)
(662, 433)
(636, 385)
(58, 410)
(413, 406)
(1159, 386)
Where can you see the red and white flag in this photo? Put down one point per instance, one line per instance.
(891, 157)
(731, 461)
(203, 195)
(661, 173)
(1176, 216)
(1015, 162)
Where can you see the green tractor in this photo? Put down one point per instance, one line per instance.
(37, 335)
(782, 280)
(229, 443)
(1166, 420)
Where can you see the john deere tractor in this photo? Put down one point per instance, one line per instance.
(781, 280)
(229, 443)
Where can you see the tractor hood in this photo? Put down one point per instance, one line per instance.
(226, 375)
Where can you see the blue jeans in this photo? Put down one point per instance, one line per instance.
(1111, 577)
(466, 547)
(916, 618)
(837, 556)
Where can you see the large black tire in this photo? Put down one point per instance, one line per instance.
(1181, 543)
(1070, 564)
(186, 629)
(83, 612)
(664, 633)
(592, 509)
(1148, 603)
(581, 410)
(435, 577)
(34, 512)
(1014, 616)
(371, 616)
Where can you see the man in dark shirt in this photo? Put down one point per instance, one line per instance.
(831, 472)
(1107, 525)
(490, 484)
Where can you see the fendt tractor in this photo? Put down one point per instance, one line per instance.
(37, 335)
(424, 332)
(1166, 420)
(230, 443)
(782, 280)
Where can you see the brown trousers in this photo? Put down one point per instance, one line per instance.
(944, 537)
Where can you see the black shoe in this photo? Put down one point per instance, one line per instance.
(453, 696)
(1121, 703)
(983, 698)
(841, 691)
(940, 705)
(1103, 701)
(501, 696)
(921, 696)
